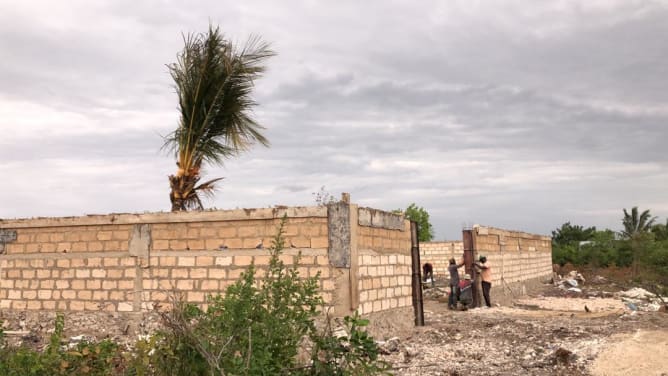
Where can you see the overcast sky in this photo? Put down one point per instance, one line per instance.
(515, 114)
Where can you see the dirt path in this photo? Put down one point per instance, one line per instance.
(641, 353)
(541, 336)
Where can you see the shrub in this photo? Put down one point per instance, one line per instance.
(87, 358)
(259, 329)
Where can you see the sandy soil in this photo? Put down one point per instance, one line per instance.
(539, 335)
(640, 353)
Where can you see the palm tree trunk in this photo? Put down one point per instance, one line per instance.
(182, 191)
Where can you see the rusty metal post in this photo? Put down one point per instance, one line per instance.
(469, 259)
(416, 276)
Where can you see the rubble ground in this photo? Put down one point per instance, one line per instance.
(550, 333)
(622, 331)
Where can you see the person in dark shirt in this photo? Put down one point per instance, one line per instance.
(427, 273)
(466, 292)
(454, 283)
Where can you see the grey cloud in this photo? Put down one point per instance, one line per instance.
(520, 115)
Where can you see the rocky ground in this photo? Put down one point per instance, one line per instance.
(597, 328)
(551, 333)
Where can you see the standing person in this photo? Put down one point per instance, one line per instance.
(466, 292)
(454, 283)
(486, 275)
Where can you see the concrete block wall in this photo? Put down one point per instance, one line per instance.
(385, 282)
(438, 255)
(384, 261)
(514, 256)
(128, 262)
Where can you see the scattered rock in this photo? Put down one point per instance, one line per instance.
(563, 356)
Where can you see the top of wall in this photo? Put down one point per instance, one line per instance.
(381, 219)
(168, 217)
(487, 230)
(440, 242)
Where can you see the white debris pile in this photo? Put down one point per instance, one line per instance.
(570, 281)
(639, 299)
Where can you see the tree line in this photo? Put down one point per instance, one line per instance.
(641, 244)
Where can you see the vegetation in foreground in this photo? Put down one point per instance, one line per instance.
(257, 328)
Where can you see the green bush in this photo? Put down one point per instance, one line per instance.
(265, 328)
(260, 329)
(95, 359)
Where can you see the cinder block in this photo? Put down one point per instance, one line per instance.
(100, 295)
(126, 285)
(198, 273)
(95, 246)
(103, 235)
(319, 242)
(93, 284)
(68, 294)
(227, 232)
(204, 261)
(110, 261)
(248, 231)
(124, 307)
(185, 261)
(261, 260)
(85, 294)
(242, 260)
(117, 295)
(184, 285)
(108, 285)
(234, 274)
(82, 273)
(217, 273)
(178, 245)
(210, 285)
(79, 247)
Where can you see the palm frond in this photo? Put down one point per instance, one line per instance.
(635, 224)
(214, 81)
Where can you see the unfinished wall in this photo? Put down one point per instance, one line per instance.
(384, 258)
(514, 256)
(128, 262)
(438, 255)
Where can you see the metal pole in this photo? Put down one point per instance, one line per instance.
(469, 259)
(416, 277)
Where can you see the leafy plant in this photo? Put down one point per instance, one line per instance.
(353, 354)
(259, 328)
(87, 358)
(421, 216)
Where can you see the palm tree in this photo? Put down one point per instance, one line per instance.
(635, 228)
(635, 224)
(214, 82)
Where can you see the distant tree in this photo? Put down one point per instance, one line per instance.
(419, 214)
(569, 234)
(635, 224)
(637, 231)
(214, 83)
(660, 231)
